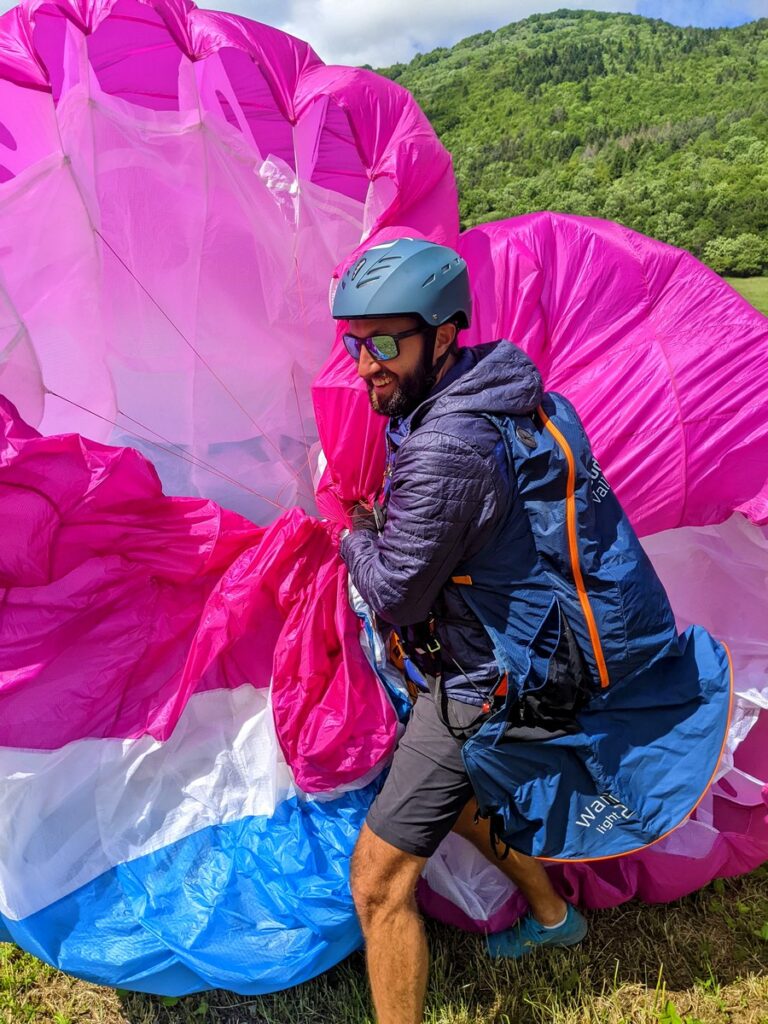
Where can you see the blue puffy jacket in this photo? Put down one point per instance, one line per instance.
(449, 492)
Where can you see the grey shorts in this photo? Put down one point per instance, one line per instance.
(427, 787)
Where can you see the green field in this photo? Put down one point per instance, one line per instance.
(754, 290)
(702, 960)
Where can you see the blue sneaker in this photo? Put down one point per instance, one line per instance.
(525, 936)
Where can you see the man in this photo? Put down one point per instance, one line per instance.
(448, 490)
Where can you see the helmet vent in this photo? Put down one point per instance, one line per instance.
(406, 277)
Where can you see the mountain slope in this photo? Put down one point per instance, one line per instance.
(662, 128)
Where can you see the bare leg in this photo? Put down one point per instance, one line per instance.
(527, 873)
(383, 881)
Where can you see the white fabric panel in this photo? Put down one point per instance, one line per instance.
(461, 874)
(76, 812)
(717, 577)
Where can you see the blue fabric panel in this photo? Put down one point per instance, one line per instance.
(643, 754)
(388, 675)
(255, 906)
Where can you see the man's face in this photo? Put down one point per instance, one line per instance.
(395, 386)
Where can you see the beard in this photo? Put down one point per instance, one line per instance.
(410, 391)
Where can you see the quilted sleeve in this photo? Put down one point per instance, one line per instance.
(447, 497)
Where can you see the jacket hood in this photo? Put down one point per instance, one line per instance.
(496, 379)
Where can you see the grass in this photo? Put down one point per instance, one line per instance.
(754, 290)
(703, 960)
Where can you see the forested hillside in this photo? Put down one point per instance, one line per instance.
(664, 129)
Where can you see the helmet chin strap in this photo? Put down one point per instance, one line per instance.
(429, 355)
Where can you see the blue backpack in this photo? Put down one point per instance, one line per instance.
(611, 759)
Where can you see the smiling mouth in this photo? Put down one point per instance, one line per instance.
(381, 380)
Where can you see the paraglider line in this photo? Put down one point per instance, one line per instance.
(172, 448)
(194, 459)
(301, 418)
(204, 361)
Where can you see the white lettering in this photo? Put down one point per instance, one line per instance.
(607, 824)
(600, 488)
(587, 818)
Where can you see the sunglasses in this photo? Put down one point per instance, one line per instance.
(380, 346)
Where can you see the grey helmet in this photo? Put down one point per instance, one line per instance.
(406, 277)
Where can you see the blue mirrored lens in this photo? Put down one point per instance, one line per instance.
(352, 345)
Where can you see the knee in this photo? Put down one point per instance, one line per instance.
(380, 882)
(378, 888)
(370, 894)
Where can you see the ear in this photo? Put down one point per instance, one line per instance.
(445, 337)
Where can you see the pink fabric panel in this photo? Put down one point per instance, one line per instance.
(48, 36)
(272, 132)
(104, 584)
(396, 142)
(28, 131)
(18, 61)
(665, 363)
(333, 719)
(283, 59)
(442, 909)
(135, 56)
(119, 603)
(327, 152)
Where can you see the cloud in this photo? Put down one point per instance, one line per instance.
(381, 32)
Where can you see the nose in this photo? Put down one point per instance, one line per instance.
(367, 364)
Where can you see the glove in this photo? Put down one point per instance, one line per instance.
(364, 517)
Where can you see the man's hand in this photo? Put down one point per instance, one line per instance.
(365, 517)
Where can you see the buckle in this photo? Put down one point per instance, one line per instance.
(433, 646)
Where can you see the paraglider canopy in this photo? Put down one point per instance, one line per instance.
(179, 187)
(191, 735)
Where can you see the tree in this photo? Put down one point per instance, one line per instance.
(539, 116)
(745, 255)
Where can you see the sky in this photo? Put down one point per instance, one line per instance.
(382, 32)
